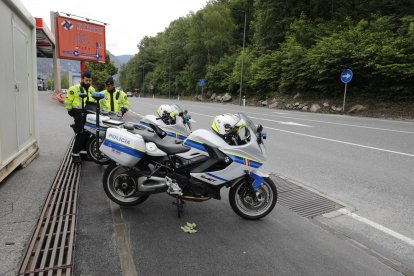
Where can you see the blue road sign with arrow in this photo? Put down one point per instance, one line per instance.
(202, 83)
(346, 76)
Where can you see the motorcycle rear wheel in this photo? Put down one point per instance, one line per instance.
(120, 186)
(244, 204)
(100, 158)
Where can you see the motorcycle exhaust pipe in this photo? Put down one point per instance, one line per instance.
(152, 185)
(194, 198)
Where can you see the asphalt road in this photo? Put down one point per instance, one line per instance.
(364, 163)
(367, 164)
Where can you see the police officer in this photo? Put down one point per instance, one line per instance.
(73, 103)
(115, 100)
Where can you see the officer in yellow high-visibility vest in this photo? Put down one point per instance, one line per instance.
(73, 103)
(115, 100)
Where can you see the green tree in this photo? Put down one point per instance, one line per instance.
(101, 71)
(64, 82)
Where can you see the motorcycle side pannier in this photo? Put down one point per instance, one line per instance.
(90, 124)
(123, 147)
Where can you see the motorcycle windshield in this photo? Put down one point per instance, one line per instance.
(177, 109)
(244, 119)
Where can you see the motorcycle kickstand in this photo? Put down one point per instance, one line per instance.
(180, 205)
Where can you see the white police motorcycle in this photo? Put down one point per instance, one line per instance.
(196, 170)
(171, 119)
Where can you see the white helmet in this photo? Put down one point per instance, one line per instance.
(165, 109)
(168, 113)
(227, 124)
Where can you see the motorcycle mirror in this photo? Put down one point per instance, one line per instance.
(259, 128)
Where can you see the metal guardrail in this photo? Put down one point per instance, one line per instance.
(51, 249)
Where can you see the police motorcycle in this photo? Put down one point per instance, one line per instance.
(195, 170)
(171, 119)
(96, 123)
(105, 120)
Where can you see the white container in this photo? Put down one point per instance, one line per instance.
(123, 147)
(19, 132)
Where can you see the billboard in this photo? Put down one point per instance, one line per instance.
(80, 40)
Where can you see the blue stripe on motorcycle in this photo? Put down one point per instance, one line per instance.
(194, 144)
(243, 161)
(218, 177)
(144, 124)
(258, 181)
(237, 159)
(94, 126)
(255, 164)
(122, 148)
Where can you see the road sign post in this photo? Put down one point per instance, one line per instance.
(346, 76)
(202, 83)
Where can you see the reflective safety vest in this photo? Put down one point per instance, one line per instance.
(73, 100)
(114, 101)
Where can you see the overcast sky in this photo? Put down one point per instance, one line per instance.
(129, 20)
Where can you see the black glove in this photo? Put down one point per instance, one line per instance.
(70, 112)
(124, 110)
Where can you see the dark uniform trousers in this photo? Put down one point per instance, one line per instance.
(82, 136)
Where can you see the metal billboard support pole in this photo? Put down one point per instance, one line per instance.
(56, 60)
(82, 66)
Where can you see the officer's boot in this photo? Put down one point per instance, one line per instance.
(76, 158)
(85, 156)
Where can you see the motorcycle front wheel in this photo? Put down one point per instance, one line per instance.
(98, 158)
(120, 186)
(253, 204)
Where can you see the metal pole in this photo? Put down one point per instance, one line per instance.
(143, 78)
(343, 105)
(56, 60)
(83, 66)
(241, 71)
(169, 79)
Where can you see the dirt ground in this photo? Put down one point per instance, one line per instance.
(376, 109)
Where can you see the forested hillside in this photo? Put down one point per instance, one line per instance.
(290, 47)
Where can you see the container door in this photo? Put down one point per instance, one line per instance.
(22, 66)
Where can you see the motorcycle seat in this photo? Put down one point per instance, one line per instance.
(147, 135)
(170, 148)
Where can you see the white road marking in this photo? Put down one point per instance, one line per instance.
(203, 114)
(323, 138)
(378, 226)
(350, 125)
(280, 122)
(280, 113)
(292, 124)
(125, 252)
(137, 113)
(342, 142)
(318, 121)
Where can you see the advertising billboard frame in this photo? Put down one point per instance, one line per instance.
(86, 42)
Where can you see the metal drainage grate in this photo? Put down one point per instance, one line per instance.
(301, 201)
(51, 249)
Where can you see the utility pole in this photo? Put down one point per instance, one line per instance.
(143, 73)
(241, 71)
(169, 79)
